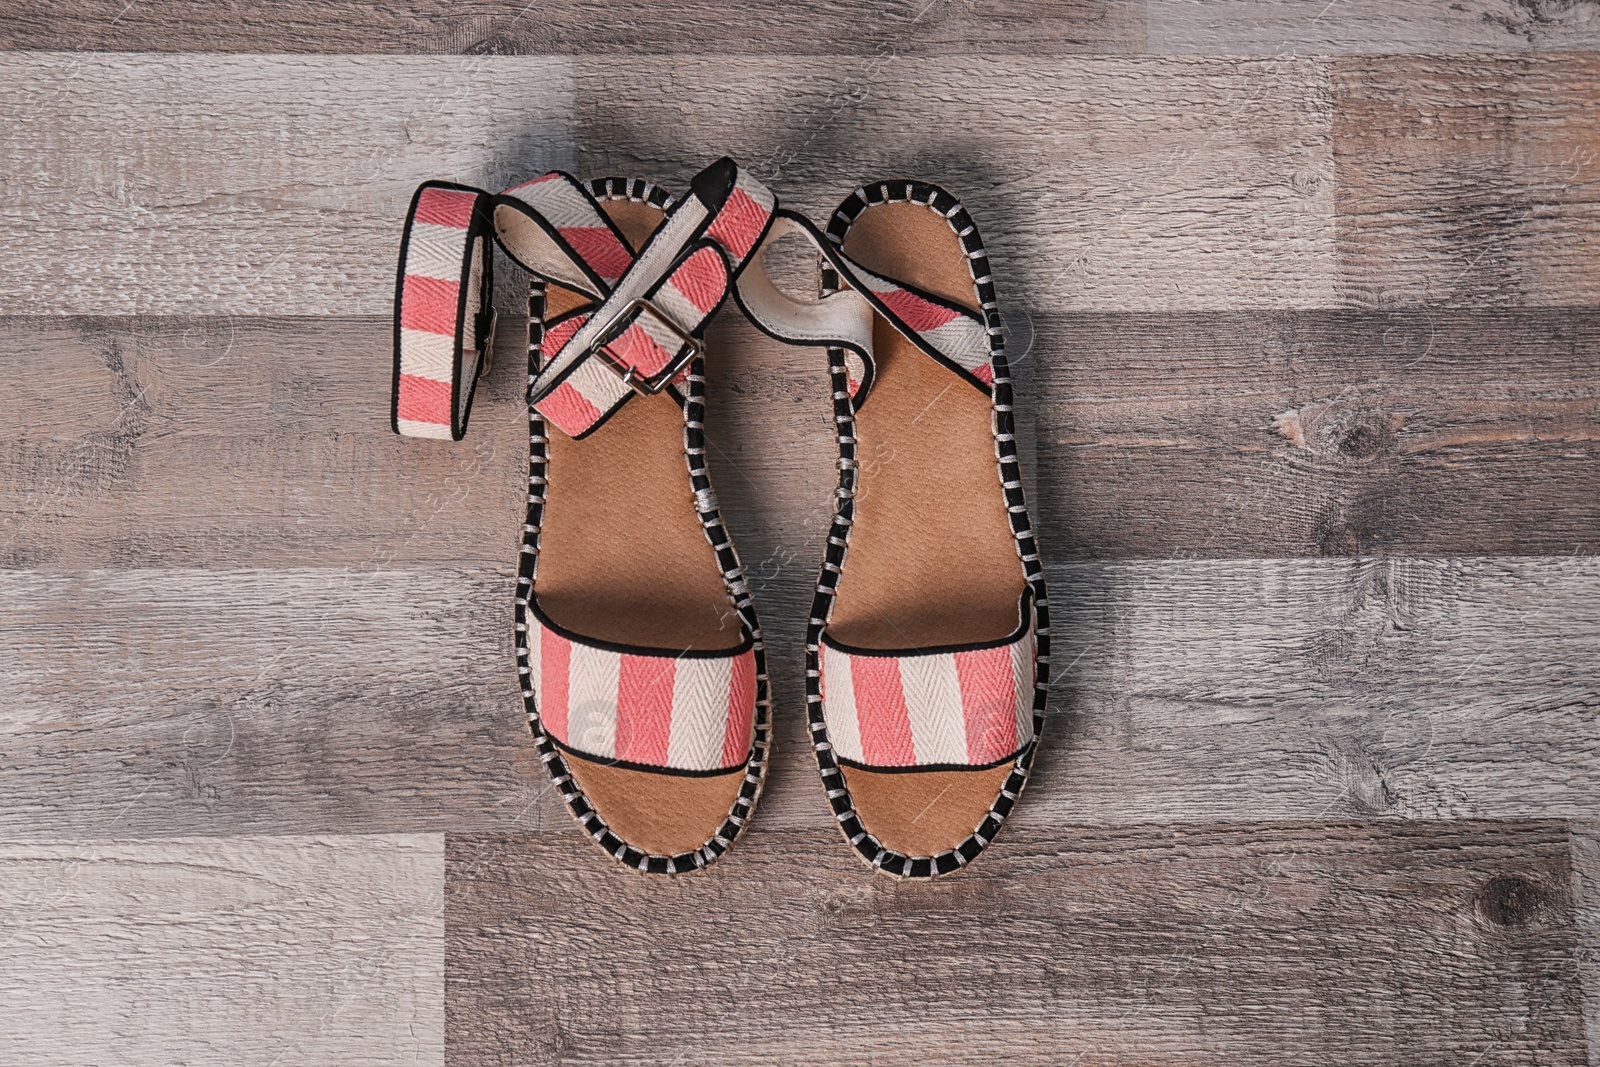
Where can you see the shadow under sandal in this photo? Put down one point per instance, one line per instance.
(637, 642)
(927, 649)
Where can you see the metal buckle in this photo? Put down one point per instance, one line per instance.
(486, 346)
(658, 381)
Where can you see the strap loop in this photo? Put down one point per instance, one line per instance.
(649, 310)
(445, 281)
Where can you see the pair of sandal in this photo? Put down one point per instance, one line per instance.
(638, 646)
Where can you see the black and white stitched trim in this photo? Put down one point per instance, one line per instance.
(865, 844)
(733, 579)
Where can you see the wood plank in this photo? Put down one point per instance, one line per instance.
(1402, 432)
(578, 27)
(1099, 182)
(291, 951)
(1586, 881)
(817, 27)
(180, 701)
(275, 185)
(1468, 181)
(248, 185)
(1234, 27)
(235, 442)
(1361, 944)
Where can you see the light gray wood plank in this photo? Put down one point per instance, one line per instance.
(248, 184)
(276, 185)
(289, 951)
(1468, 181)
(180, 701)
(1099, 182)
(579, 27)
(817, 27)
(1360, 944)
(1234, 27)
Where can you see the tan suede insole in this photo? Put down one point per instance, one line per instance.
(931, 559)
(622, 557)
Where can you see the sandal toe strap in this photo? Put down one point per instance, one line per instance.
(961, 706)
(650, 708)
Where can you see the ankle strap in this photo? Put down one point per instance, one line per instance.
(843, 318)
(648, 313)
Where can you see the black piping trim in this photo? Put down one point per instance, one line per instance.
(627, 765)
(1024, 602)
(920, 767)
(744, 645)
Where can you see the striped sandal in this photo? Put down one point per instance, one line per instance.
(928, 645)
(638, 646)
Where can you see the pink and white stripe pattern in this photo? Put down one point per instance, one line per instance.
(594, 387)
(431, 328)
(575, 216)
(959, 336)
(971, 707)
(690, 293)
(691, 713)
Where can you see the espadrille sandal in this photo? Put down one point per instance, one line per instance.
(637, 643)
(927, 648)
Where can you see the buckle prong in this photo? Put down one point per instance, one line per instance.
(691, 347)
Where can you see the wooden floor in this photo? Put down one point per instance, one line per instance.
(1307, 297)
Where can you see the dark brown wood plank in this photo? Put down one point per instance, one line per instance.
(1468, 181)
(1362, 944)
(264, 442)
(1404, 432)
(1586, 879)
(579, 27)
(171, 701)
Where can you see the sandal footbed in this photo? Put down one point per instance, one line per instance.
(923, 813)
(661, 813)
(932, 560)
(623, 558)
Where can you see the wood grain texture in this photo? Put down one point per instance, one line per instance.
(248, 185)
(290, 951)
(1432, 944)
(1099, 182)
(180, 701)
(819, 27)
(1468, 181)
(1586, 882)
(579, 27)
(238, 442)
(274, 185)
(1414, 431)
(1288, 26)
